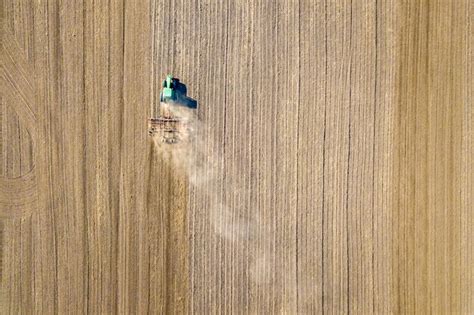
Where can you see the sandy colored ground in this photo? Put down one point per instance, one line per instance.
(332, 170)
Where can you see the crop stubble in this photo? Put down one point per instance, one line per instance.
(333, 171)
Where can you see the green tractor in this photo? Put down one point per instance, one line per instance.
(168, 93)
(175, 92)
(165, 122)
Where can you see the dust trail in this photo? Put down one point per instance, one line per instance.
(202, 168)
(205, 173)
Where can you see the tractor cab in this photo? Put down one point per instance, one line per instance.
(169, 92)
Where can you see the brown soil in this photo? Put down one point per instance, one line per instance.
(330, 169)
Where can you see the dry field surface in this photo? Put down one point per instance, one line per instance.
(332, 171)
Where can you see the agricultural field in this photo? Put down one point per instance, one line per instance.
(329, 167)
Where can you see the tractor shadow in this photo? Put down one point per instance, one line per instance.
(182, 98)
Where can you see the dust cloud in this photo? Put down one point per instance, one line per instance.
(204, 168)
